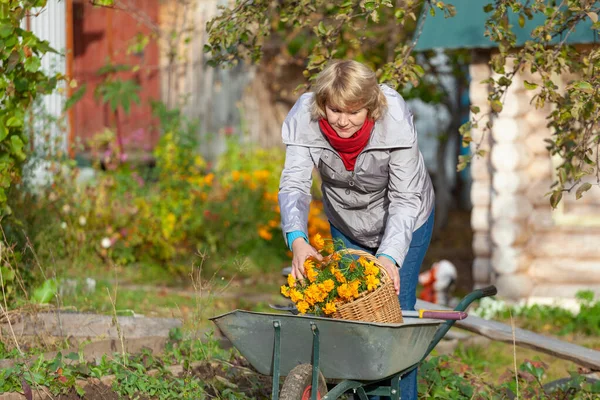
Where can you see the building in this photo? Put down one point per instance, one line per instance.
(523, 246)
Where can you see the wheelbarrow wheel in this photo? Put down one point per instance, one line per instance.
(298, 384)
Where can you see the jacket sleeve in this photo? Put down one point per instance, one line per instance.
(294, 190)
(407, 178)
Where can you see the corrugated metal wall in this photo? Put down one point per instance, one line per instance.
(49, 24)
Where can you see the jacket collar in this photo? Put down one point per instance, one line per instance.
(394, 130)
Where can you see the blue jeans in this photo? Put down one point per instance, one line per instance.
(409, 278)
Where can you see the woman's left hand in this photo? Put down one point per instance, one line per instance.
(392, 271)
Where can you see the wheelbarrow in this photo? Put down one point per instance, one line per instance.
(365, 358)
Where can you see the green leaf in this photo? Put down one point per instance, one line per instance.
(2, 196)
(17, 147)
(6, 30)
(75, 97)
(593, 16)
(15, 121)
(583, 86)
(530, 85)
(3, 128)
(521, 20)
(32, 64)
(496, 106)
(321, 28)
(8, 275)
(555, 198)
(582, 189)
(45, 293)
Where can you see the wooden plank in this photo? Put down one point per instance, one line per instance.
(494, 330)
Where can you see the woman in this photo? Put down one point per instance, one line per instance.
(377, 193)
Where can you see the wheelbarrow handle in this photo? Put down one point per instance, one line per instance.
(435, 314)
(462, 306)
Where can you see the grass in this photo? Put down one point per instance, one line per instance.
(492, 359)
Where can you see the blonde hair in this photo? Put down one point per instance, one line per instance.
(346, 84)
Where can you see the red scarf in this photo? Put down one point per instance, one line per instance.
(348, 148)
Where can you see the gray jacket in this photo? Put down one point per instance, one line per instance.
(382, 202)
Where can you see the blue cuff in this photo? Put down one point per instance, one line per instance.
(385, 255)
(291, 236)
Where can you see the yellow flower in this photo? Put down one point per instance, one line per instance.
(261, 175)
(273, 223)
(312, 294)
(354, 285)
(371, 269)
(296, 296)
(302, 307)
(264, 233)
(345, 292)
(329, 308)
(285, 290)
(338, 275)
(199, 162)
(235, 175)
(208, 179)
(311, 274)
(319, 241)
(372, 282)
(327, 285)
(291, 280)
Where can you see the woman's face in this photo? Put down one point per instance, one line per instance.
(345, 122)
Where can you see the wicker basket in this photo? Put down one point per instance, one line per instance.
(380, 305)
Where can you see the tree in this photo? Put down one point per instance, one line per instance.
(383, 33)
(21, 81)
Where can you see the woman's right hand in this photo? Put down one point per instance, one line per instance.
(302, 251)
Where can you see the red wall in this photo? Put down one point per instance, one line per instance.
(100, 34)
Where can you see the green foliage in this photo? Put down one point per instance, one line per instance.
(119, 93)
(575, 114)
(21, 81)
(214, 376)
(446, 377)
(46, 292)
(555, 319)
(163, 213)
(319, 31)
(383, 35)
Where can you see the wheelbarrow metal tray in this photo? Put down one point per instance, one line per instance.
(348, 349)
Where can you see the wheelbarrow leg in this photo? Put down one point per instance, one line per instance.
(276, 359)
(395, 389)
(315, 361)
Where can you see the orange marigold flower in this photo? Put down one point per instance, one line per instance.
(296, 296)
(318, 241)
(285, 290)
(235, 175)
(371, 269)
(264, 233)
(345, 292)
(329, 308)
(354, 285)
(339, 276)
(302, 307)
(327, 285)
(208, 179)
(372, 282)
(311, 274)
(291, 280)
